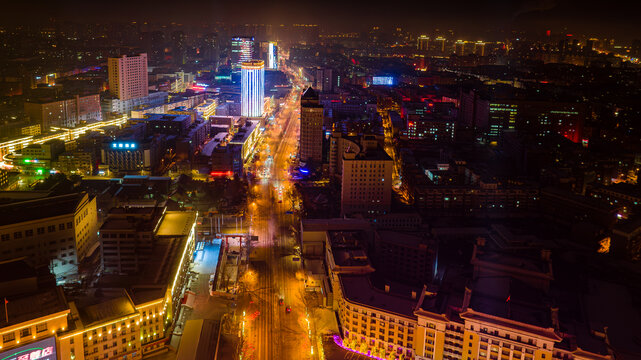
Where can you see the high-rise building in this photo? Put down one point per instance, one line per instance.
(210, 49)
(311, 128)
(366, 181)
(479, 48)
(252, 91)
(423, 43)
(325, 80)
(179, 52)
(459, 47)
(272, 55)
(242, 50)
(128, 77)
(439, 44)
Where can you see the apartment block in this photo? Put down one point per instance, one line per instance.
(128, 77)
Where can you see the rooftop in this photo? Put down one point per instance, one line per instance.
(360, 289)
(176, 223)
(42, 208)
(244, 132)
(509, 298)
(347, 249)
(334, 224)
(15, 270)
(106, 311)
(42, 303)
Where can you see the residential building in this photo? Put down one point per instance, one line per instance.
(128, 77)
(325, 81)
(64, 112)
(114, 105)
(431, 129)
(76, 162)
(366, 182)
(4, 179)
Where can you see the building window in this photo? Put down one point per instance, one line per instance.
(41, 327)
(25, 332)
(41, 230)
(8, 337)
(51, 228)
(17, 235)
(28, 232)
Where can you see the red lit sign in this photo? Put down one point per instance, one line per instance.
(221, 173)
(39, 350)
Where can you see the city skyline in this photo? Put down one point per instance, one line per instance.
(467, 17)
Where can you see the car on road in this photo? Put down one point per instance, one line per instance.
(280, 301)
(288, 309)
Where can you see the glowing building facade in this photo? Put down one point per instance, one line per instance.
(272, 56)
(242, 50)
(252, 88)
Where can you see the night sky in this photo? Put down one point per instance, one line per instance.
(605, 18)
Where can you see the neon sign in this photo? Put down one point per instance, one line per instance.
(123, 146)
(39, 350)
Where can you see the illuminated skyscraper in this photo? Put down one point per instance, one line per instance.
(311, 128)
(252, 91)
(423, 43)
(272, 55)
(128, 77)
(242, 50)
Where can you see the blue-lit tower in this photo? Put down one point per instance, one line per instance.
(252, 88)
(272, 55)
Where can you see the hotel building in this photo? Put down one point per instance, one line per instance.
(500, 313)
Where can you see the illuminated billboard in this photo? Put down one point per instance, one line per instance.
(383, 80)
(38, 350)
